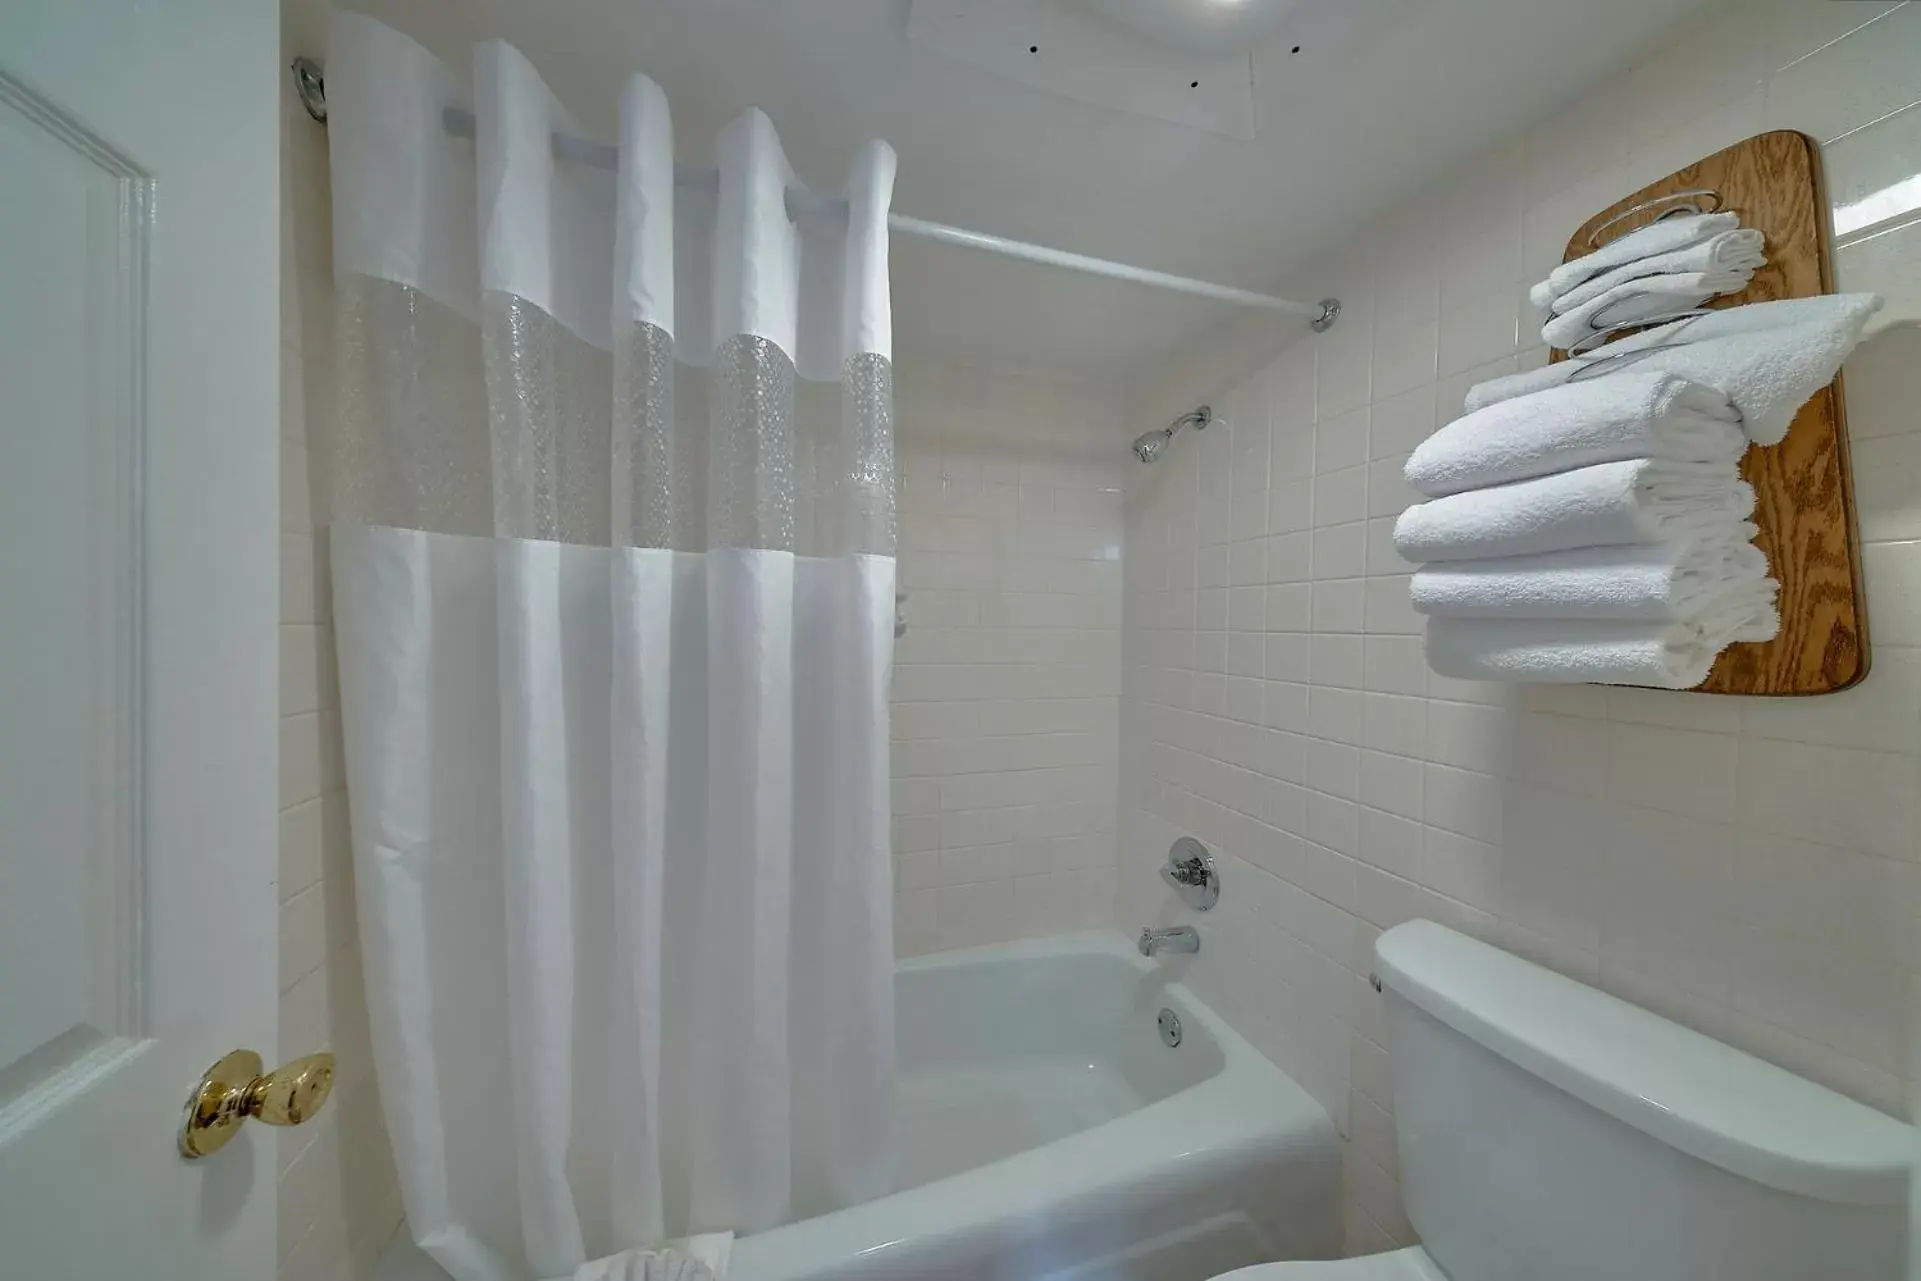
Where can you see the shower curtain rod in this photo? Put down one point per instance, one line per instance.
(311, 86)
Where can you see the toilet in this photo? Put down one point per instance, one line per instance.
(1550, 1132)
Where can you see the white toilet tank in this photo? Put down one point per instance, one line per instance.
(1548, 1130)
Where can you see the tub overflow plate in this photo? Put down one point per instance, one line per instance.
(1170, 1028)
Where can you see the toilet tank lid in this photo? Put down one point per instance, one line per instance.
(1693, 1093)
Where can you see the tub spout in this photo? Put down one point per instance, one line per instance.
(1182, 938)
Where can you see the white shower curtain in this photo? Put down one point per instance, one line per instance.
(613, 581)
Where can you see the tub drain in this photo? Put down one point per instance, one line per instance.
(1170, 1028)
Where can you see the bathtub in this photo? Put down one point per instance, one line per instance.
(1048, 1133)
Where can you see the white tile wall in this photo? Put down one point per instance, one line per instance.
(338, 1199)
(1006, 690)
(1746, 866)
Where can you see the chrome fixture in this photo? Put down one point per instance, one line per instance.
(310, 86)
(1170, 1024)
(1149, 446)
(1190, 871)
(1696, 201)
(1180, 939)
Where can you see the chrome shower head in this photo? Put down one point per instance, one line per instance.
(1151, 445)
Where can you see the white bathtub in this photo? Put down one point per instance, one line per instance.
(1047, 1134)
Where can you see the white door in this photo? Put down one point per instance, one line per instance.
(138, 625)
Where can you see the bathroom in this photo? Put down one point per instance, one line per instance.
(1095, 656)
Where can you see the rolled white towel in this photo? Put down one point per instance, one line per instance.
(1646, 582)
(702, 1257)
(1674, 655)
(1632, 414)
(644, 1265)
(1788, 351)
(1642, 500)
(1725, 263)
(1632, 302)
(1644, 242)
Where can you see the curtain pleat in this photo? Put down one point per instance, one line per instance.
(541, 855)
(614, 525)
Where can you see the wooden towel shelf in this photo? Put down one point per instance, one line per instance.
(1804, 485)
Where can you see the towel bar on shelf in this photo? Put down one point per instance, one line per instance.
(1604, 333)
(1692, 202)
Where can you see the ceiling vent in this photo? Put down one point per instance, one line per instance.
(1205, 64)
(1207, 27)
(1150, 57)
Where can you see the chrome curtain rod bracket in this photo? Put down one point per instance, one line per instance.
(311, 86)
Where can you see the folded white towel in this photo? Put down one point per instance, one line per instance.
(1676, 655)
(1632, 302)
(1647, 582)
(1642, 500)
(1786, 351)
(703, 1257)
(1644, 242)
(1632, 414)
(1725, 262)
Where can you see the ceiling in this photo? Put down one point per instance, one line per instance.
(1341, 137)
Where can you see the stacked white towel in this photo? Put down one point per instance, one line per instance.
(1633, 302)
(1662, 270)
(1660, 582)
(1723, 262)
(1592, 531)
(1656, 238)
(1640, 414)
(1642, 500)
(1769, 357)
(1553, 651)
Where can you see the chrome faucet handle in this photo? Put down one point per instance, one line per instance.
(1189, 870)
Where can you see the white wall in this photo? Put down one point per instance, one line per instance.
(1006, 687)
(339, 1202)
(1746, 866)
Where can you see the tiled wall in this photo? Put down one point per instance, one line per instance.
(339, 1202)
(1746, 866)
(1006, 687)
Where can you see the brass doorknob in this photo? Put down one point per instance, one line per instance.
(235, 1088)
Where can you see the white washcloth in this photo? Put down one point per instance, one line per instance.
(697, 1258)
(1675, 655)
(1725, 263)
(1632, 302)
(1769, 357)
(1642, 500)
(1647, 582)
(1644, 242)
(1840, 310)
(1633, 414)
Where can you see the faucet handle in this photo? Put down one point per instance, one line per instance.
(1190, 872)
